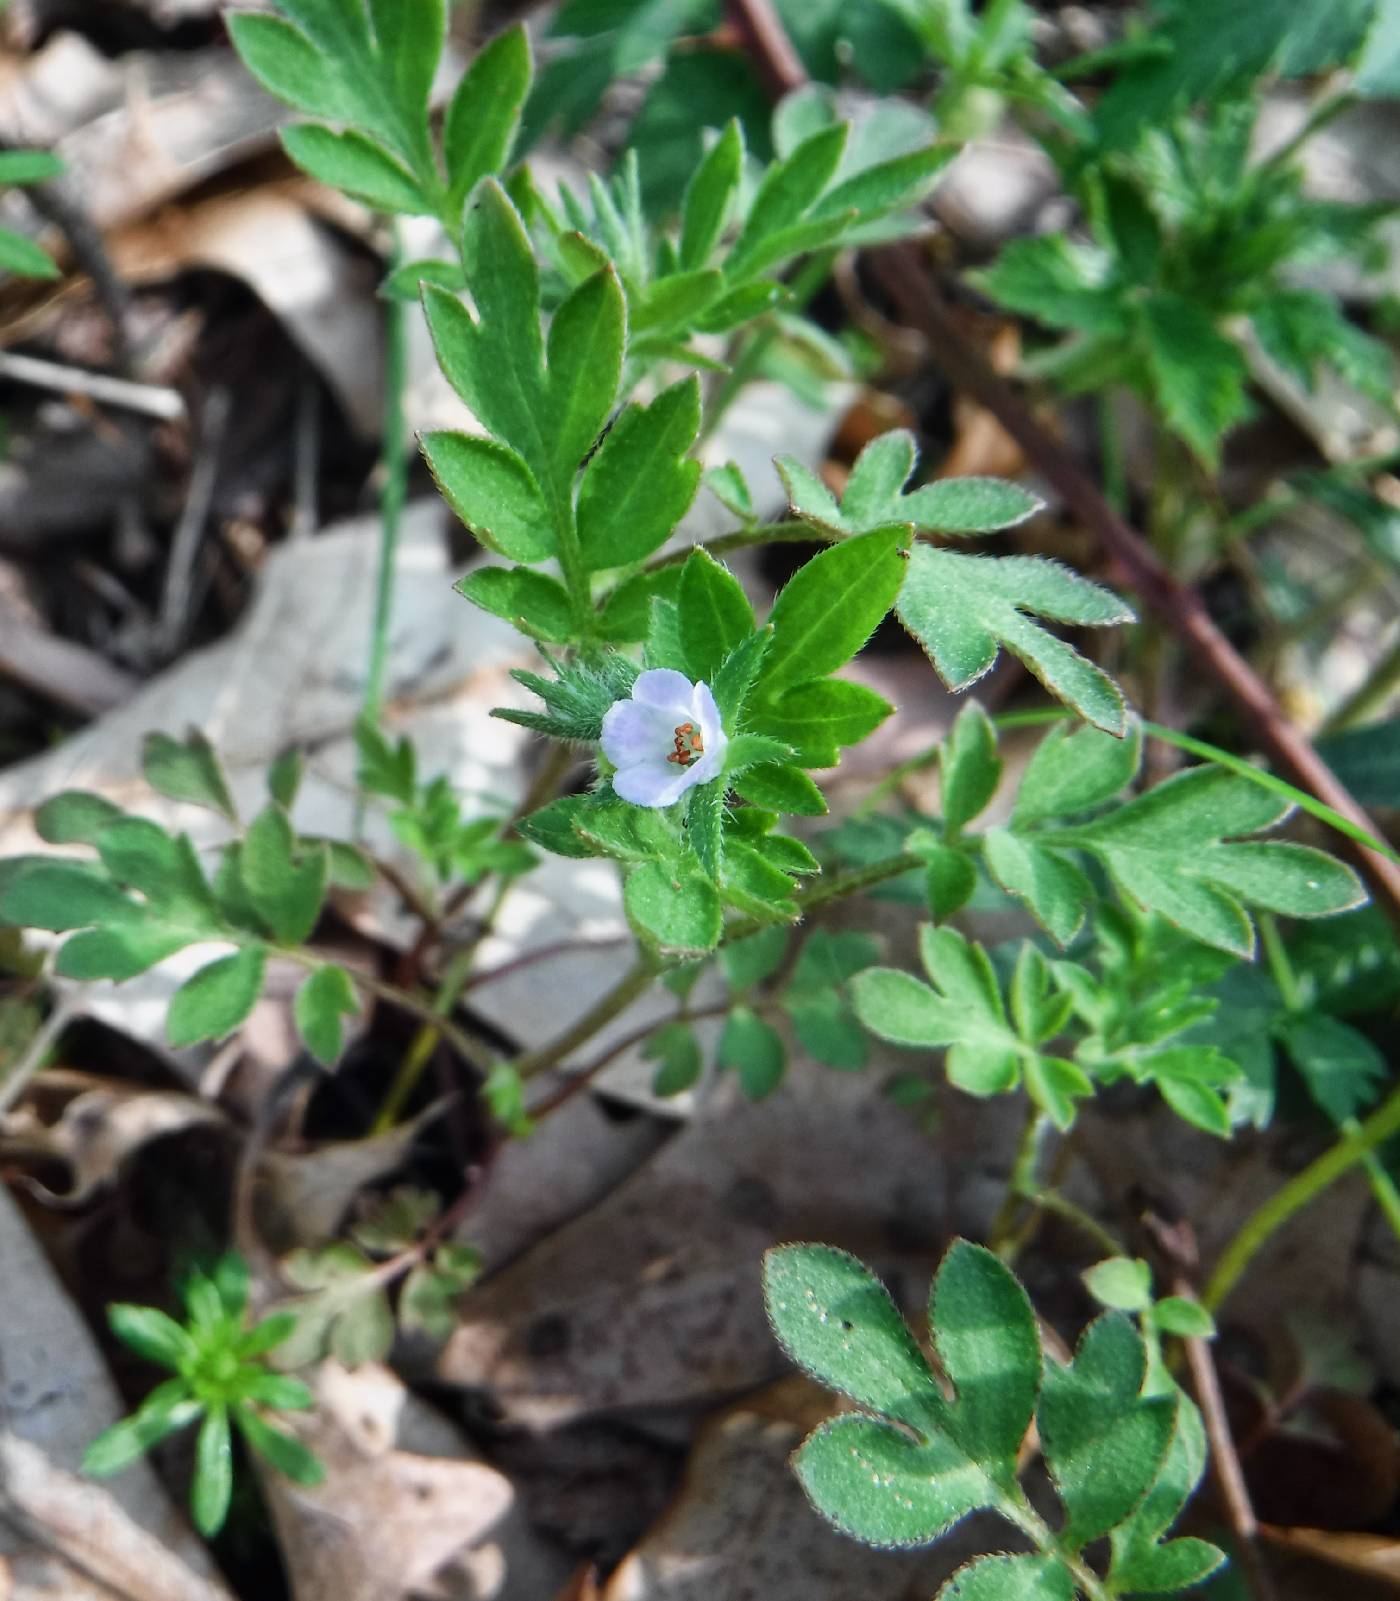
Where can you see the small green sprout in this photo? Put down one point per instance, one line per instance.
(219, 1378)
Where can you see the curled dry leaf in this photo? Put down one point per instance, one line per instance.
(404, 1507)
(97, 1132)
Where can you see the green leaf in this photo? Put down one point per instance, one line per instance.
(213, 1473)
(124, 951)
(1076, 769)
(286, 892)
(1010, 1578)
(1343, 1070)
(673, 909)
(140, 855)
(836, 1320)
(358, 165)
(1120, 1283)
(168, 1408)
(74, 817)
(984, 1331)
(950, 880)
(1057, 282)
(875, 497)
(704, 826)
(709, 197)
(962, 609)
(782, 789)
(715, 615)
(217, 999)
(50, 893)
(746, 962)
(24, 258)
(409, 44)
(288, 65)
(493, 492)
(187, 771)
(286, 1453)
(1377, 72)
(1165, 850)
(586, 340)
(485, 112)
(537, 605)
(30, 166)
(151, 1334)
(677, 1051)
(322, 1001)
(1141, 1565)
(881, 1488)
(735, 678)
(1175, 1314)
(969, 767)
(1303, 329)
(1104, 1442)
(830, 607)
(788, 191)
(969, 506)
(1198, 376)
(1055, 891)
(284, 778)
(496, 363)
(639, 484)
(816, 718)
(755, 1050)
(964, 1011)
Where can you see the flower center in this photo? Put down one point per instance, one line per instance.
(690, 746)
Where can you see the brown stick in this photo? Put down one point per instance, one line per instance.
(905, 275)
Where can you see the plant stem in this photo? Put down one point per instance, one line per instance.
(1262, 1224)
(794, 533)
(393, 464)
(1370, 696)
(831, 889)
(633, 983)
(1021, 1181)
(1383, 1186)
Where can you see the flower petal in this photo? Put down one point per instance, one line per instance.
(633, 732)
(707, 715)
(663, 686)
(653, 783)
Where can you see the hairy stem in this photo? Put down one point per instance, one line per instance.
(633, 984)
(1262, 1224)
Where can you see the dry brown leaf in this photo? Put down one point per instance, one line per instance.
(404, 1506)
(1363, 1567)
(303, 1198)
(98, 1130)
(321, 291)
(652, 1299)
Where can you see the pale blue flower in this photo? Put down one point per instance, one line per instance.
(665, 740)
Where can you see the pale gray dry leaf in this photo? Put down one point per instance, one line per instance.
(293, 675)
(405, 1506)
(302, 1199)
(575, 1158)
(58, 1530)
(303, 272)
(741, 1527)
(97, 1132)
(652, 1299)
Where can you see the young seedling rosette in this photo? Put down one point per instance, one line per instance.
(664, 740)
